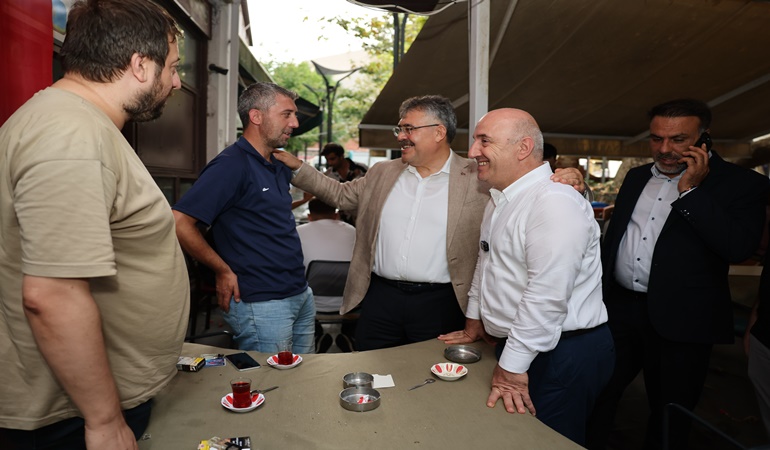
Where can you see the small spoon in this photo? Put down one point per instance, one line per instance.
(262, 391)
(427, 381)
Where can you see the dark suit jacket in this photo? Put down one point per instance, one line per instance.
(719, 223)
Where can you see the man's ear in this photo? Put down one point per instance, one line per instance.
(255, 116)
(524, 148)
(139, 67)
(440, 133)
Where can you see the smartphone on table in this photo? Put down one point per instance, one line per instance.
(242, 361)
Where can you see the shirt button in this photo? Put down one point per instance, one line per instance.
(644, 238)
(652, 218)
(638, 259)
(636, 281)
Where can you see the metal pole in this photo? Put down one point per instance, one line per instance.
(331, 92)
(320, 101)
(396, 41)
(330, 101)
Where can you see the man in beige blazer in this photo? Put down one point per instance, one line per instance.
(417, 232)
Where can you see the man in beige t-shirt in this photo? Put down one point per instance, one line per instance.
(93, 284)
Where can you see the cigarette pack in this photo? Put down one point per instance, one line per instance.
(217, 443)
(190, 363)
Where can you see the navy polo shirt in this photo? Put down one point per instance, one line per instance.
(246, 201)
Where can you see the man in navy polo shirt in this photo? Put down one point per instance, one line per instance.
(255, 252)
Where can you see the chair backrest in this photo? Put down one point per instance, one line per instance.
(327, 278)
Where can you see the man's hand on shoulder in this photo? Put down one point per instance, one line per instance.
(291, 161)
(571, 176)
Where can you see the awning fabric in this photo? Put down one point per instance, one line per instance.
(588, 70)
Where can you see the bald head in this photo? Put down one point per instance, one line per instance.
(507, 143)
(516, 124)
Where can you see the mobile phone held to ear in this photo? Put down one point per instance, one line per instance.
(704, 138)
(242, 361)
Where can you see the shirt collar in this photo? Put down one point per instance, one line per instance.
(444, 168)
(521, 184)
(246, 146)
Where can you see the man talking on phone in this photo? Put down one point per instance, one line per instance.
(678, 224)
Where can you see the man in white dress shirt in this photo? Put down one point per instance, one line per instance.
(537, 288)
(417, 229)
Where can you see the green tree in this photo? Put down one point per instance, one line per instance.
(356, 94)
(296, 77)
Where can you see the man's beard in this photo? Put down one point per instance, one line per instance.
(278, 142)
(678, 168)
(148, 105)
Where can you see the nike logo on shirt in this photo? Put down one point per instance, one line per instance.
(265, 189)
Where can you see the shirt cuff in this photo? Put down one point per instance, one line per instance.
(472, 311)
(690, 189)
(515, 361)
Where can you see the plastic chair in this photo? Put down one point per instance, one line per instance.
(327, 280)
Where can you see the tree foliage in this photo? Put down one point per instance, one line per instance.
(356, 94)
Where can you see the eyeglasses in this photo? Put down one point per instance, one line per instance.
(408, 129)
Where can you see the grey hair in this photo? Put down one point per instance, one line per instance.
(435, 105)
(260, 96)
(529, 128)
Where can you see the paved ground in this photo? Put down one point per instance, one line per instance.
(728, 403)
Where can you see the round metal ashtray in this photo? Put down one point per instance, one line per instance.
(358, 379)
(464, 354)
(359, 399)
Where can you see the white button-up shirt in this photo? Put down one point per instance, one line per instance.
(411, 242)
(542, 272)
(634, 258)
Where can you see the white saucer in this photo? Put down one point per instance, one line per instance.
(273, 362)
(449, 371)
(256, 400)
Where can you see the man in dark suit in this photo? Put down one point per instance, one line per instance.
(678, 225)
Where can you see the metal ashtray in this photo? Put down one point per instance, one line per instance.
(464, 354)
(359, 399)
(358, 379)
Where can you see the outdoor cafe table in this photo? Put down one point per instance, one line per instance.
(304, 412)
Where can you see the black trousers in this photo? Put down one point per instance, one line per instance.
(674, 372)
(396, 313)
(69, 434)
(565, 382)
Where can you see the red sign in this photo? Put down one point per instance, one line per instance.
(26, 47)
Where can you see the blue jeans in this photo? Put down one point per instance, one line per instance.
(258, 326)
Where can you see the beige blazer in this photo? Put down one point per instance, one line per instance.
(367, 195)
